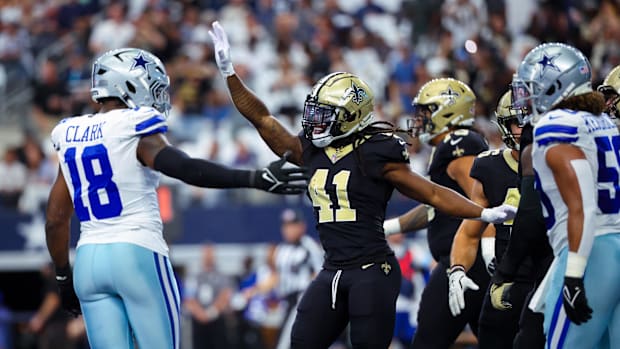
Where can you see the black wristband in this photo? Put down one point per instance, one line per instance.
(63, 271)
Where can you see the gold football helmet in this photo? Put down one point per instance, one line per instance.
(339, 105)
(611, 89)
(506, 116)
(441, 104)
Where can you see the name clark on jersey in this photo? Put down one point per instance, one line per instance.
(81, 134)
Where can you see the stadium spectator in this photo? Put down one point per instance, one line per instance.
(51, 100)
(113, 32)
(12, 180)
(297, 259)
(50, 321)
(207, 299)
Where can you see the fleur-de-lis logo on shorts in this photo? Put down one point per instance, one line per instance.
(386, 267)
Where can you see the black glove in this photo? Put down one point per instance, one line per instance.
(68, 298)
(278, 180)
(575, 301)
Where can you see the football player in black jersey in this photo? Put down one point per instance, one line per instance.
(528, 244)
(610, 88)
(355, 166)
(496, 181)
(444, 115)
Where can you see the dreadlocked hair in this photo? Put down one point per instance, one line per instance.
(593, 102)
(377, 127)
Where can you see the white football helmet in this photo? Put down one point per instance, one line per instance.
(549, 74)
(137, 77)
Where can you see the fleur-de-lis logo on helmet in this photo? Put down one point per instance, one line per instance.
(356, 93)
(451, 94)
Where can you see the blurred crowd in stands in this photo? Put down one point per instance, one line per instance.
(280, 47)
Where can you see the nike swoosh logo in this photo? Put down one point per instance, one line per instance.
(456, 141)
(366, 266)
(567, 295)
(267, 177)
(61, 278)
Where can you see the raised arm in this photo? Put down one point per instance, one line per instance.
(250, 106)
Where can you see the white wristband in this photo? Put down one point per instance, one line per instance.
(391, 226)
(487, 245)
(575, 265)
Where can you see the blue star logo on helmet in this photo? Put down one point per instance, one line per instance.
(140, 62)
(547, 63)
(357, 93)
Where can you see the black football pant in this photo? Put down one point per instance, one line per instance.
(437, 328)
(531, 333)
(364, 297)
(498, 328)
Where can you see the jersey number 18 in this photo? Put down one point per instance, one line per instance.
(99, 180)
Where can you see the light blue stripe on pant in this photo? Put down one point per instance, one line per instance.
(127, 290)
(602, 286)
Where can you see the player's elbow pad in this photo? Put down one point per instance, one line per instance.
(175, 163)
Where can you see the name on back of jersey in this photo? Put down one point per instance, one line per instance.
(84, 133)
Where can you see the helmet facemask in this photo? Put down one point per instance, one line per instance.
(421, 126)
(318, 122)
(612, 101)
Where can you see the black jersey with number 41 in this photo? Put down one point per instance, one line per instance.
(456, 144)
(350, 195)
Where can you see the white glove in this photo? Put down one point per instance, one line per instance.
(498, 214)
(458, 283)
(222, 50)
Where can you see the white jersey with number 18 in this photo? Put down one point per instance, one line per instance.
(113, 194)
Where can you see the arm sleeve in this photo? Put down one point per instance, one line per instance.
(202, 173)
(528, 230)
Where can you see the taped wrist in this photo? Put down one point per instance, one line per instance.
(392, 226)
(202, 173)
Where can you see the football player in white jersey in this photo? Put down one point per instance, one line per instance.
(109, 164)
(576, 157)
